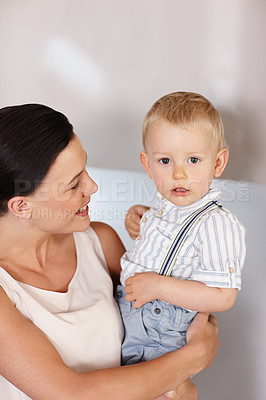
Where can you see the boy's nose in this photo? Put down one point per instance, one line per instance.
(179, 172)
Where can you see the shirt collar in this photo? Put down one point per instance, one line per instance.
(179, 212)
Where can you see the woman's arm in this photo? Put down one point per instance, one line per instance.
(196, 296)
(186, 391)
(30, 362)
(113, 248)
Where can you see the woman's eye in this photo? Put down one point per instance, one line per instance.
(193, 160)
(76, 186)
(165, 161)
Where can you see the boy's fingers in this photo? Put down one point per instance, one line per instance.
(134, 225)
(133, 234)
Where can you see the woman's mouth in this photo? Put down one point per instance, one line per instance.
(83, 211)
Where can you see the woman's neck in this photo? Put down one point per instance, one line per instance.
(47, 261)
(22, 244)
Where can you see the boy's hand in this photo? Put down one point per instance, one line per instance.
(142, 288)
(132, 221)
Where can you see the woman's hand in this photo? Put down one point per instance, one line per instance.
(132, 221)
(203, 335)
(186, 391)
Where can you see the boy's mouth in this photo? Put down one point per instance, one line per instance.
(180, 191)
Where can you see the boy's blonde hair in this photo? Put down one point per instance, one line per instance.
(186, 110)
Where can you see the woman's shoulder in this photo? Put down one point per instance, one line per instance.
(112, 246)
(109, 239)
(8, 313)
(4, 300)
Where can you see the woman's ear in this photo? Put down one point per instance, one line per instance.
(19, 207)
(144, 159)
(221, 161)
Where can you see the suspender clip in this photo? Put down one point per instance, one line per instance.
(218, 204)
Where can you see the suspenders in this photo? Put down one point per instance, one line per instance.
(176, 244)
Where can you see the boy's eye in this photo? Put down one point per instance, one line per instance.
(193, 160)
(165, 161)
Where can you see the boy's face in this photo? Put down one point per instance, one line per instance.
(182, 162)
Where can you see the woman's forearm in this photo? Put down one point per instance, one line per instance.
(148, 380)
(143, 381)
(31, 363)
(35, 367)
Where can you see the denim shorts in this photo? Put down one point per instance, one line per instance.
(152, 330)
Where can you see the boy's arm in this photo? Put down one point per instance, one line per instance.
(196, 296)
(193, 294)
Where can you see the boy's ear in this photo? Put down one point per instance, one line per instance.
(144, 159)
(19, 207)
(221, 161)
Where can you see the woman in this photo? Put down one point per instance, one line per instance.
(60, 330)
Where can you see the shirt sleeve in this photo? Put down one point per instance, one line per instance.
(221, 246)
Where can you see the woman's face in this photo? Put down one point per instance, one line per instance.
(60, 203)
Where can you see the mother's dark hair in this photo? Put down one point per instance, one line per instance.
(31, 137)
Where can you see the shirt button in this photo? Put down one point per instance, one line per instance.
(157, 311)
(160, 212)
(119, 294)
(231, 270)
(144, 219)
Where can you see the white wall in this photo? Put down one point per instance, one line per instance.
(103, 63)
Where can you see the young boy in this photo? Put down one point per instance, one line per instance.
(184, 148)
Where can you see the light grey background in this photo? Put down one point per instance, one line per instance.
(103, 63)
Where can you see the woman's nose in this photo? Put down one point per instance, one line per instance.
(90, 186)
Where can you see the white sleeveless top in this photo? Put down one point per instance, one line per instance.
(84, 323)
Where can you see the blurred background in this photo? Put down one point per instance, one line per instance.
(103, 63)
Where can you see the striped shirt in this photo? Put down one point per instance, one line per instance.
(213, 252)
